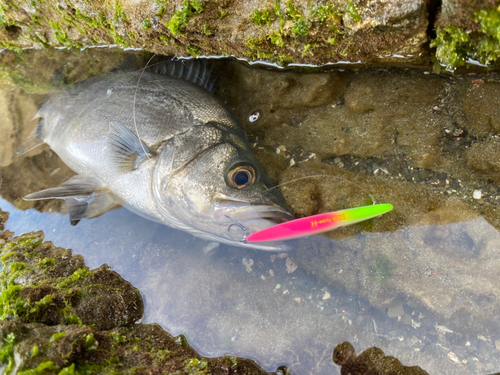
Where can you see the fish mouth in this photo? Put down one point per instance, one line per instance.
(253, 216)
(243, 218)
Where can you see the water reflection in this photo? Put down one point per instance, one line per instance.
(420, 282)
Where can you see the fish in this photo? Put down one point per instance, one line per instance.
(158, 142)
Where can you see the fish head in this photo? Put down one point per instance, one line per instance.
(209, 183)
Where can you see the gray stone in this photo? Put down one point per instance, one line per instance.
(395, 309)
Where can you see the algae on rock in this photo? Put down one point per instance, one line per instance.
(280, 31)
(59, 317)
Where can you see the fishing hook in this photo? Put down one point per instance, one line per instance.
(246, 230)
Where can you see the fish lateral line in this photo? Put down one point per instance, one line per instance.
(315, 224)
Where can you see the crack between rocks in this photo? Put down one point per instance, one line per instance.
(433, 10)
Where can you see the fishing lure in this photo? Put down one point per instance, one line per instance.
(315, 224)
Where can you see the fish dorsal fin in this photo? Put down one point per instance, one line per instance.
(85, 197)
(194, 71)
(127, 150)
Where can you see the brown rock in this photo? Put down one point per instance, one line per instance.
(482, 110)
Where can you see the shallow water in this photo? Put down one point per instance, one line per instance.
(421, 282)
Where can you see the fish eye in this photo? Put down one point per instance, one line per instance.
(241, 176)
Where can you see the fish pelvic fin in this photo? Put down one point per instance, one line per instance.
(85, 197)
(127, 150)
(34, 139)
(194, 71)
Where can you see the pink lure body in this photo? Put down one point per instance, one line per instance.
(307, 226)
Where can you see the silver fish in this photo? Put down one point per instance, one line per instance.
(165, 148)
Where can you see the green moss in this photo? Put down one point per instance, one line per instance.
(34, 351)
(300, 27)
(221, 12)
(193, 50)
(231, 361)
(181, 340)
(351, 10)
(90, 343)
(451, 45)
(65, 282)
(196, 366)
(70, 370)
(198, 5)
(56, 336)
(381, 268)
(46, 262)
(276, 38)
(11, 304)
(118, 338)
(206, 29)
(161, 354)
(324, 12)
(30, 241)
(6, 352)
(263, 17)
(307, 50)
(45, 367)
(300, 23)
(182, 16)
(146, 24)
(279, 13)
(162, 6)
(119, 14)
(455, 45)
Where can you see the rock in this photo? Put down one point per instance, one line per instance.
(406, 319)
(49, 285)
(497, 345)
(373, 120)
(273, 95)
(476, 194)
(483, 115)
(295, 31)
(483, 156)
(395, 309)
(17, 108)
(372, 361)
(141, 348)
(57, 316)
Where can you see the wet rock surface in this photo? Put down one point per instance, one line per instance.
(49, 285)
(371, 361)
(284, 31)
(57, 317)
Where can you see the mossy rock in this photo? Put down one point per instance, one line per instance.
(45, 284)
(58, 317)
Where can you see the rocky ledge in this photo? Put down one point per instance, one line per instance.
(299, 31)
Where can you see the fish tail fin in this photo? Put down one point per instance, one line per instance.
(85, 197)
(34, 139)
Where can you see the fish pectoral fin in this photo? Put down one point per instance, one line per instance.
(85, 197)
(102, 202)
(127, 150)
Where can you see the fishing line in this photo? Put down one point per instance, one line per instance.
(315, 176)
(133, 107)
